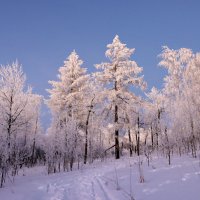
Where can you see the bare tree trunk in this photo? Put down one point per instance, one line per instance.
(168, 147)
(193, 145)
(86, 145)
(33, 149)
(158, 129)
(86, 131)
(152, 138)
(72, 160)
(3, 176)
(138, 136)
(9, 128)
(130, 143)
(116, 134)
(117, 153)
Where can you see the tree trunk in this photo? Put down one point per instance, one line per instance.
(86, 131)
(138, 137)
(3, 176)
(116, 134)
(158, 129)
(152, 139)
(86, 137)
(116, 121)
(168, 147)
(33, 149)
(86, 145)
(130, 142)
(193, 145)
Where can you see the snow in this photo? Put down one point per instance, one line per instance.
(99, 181)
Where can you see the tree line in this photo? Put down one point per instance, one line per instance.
(97, 114)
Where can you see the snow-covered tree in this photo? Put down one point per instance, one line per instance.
(155, 110)
(181, 90)
(117, 76)
(67, 93)
(69, 96)
(17, 114)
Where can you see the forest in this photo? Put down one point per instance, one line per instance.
(108, 113)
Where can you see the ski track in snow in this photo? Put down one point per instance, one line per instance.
(99, 183)
(84, 188)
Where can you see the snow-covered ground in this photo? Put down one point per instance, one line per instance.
(98, 181)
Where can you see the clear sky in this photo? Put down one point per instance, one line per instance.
(42, 33)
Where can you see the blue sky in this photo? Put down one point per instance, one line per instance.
(42, 33)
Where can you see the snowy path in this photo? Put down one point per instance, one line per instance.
(86, 184)
(181, 180)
